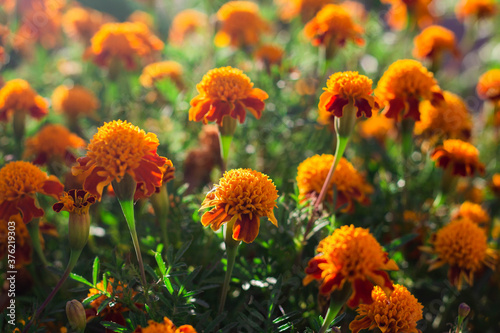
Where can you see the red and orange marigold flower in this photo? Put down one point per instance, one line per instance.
(119, 149)
(343, 88)
(241, 197)
(398, 312)
(186, 23)
(306, 9)
(403, 85)
(377, 127)
(158, 71)
(18, 96)
(83, 23)
(241, 24)
(53, 143)
(333, 26)
(167, 326)
(19, 183)
(74, 101)
(478, 9)
(433, 41)
(226, 91)
(488, 86)
(269, 54)
(125, 42)
(461, 157)
(350, 185)
(397, 17)
(473, 212)
(22, 245)
(495, 184)
(351, 255)
(462, 245)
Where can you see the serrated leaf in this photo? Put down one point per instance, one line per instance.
(81, 279)
(114, 327)
(95, 271)
(182, 250)
(104, 305)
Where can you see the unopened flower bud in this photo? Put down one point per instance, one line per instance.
(344, 125)
(78, 230)
(76, 315)
(463, 310)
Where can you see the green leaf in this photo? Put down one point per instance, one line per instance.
(80, 279)
(161, 263)
(104, 305)
(182, 250)
(114, 327)
(95, 270)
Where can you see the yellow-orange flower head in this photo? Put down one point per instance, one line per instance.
(333, 26)
(488, 86)
(241, 24)
(462, 157)
(74, 101)
(396, 313)
(397, 16)
(307, 9)
(473, 212)
(462, 245)
(119, 148)
(378, 127)
(186, 23)
(402, 87)
(269, 54)
(75, 202)
(242, 196)
(432, 41)
(53, 143)
(23, 248)
(18, 96)
(447, 120)
(478, 9)
(83, 23)
(348, 182)
(354, 256)
(123, 41)
(495, 184)
(167, 326)
(158, 71)
(226, 91)
(19, 183)
(343, 88)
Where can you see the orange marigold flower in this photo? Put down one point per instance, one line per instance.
(396, 313)
(158, 71)
(462, 157)
(142, 17)
(488, 86)
(166, 327)
(117, 149)
(307, 9)
(495, 184)
(461, 244)
(53, 142)
(19, 183)
(473, 212)
(449, 119)
(18, 96)
(378, 127)
(397, 16)
(478, 9)
(83, 23)
(241, 24)
(432, 41)
(22, 246)
(123, 41)
(75, 201)
(241, 197)
(186, 23)
(348, 182)
(333, 26)
(74, 101)
(226, 91)
(402, 86)
(269, 54)
(344, 87)
(354, 256)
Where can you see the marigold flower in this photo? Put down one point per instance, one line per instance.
(461, 244)
(354, 256)
(396, 313)
(397, 16)
(473, 212)
(198, 167)
(19, 183)
(333, 26)
(186, 23)
(241, 24)
(158, 71)
(242, 196)
(488, 86)
(142, 17)
(402, 86)
(226, 91)
(432, 41)
(307, 9)
(495, 184)
(449, 119)
(350, 185)
(18, 96)
(459, 155)
(378, 127)
(75, 202)
(166, 327)
(123, 41)
(74, 101)
(478, 9)
(117, 149)
(344, 87)
(53, 142)
(83, 23)
(22, 245)
(269, 54)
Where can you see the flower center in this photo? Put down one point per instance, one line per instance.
(18, 178)
(225, 83)
(349, 84)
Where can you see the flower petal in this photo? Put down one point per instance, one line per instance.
(246, 229)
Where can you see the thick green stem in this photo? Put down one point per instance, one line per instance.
(231, 250)
(225, 144)
(128, 212)
(34, 230)
(337, 301)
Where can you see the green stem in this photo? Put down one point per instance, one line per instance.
(231, 250)
(128, 212)
(331, 314)
(34, 230)
(225, 144)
